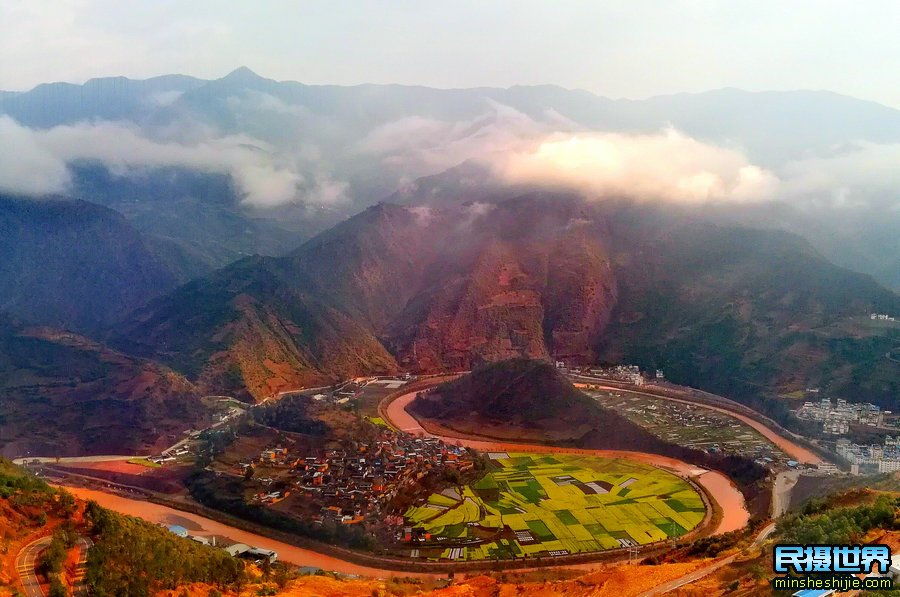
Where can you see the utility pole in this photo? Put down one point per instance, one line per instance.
(632, 553)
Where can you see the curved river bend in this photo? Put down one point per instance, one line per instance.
(734, 509)
(718, 486)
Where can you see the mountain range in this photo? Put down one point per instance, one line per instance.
(345, 148)
(139, 289)
(540, 275)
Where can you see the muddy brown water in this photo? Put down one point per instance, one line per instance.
(734, 508)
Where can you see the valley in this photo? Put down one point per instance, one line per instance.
(726, 510)
(264, 337)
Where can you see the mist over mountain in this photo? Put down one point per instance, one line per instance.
(248, 236)
(542, 275)
(261, 165)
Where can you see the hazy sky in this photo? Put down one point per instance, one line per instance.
(634, 48)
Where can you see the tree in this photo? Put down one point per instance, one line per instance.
(57, 589)
(65, 504)
(52, 559)
(282, 576)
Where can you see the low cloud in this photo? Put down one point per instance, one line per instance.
(418, 146)
(860, 175)
(662, 166)
(665, 165)
(26, 167)
(288, 156)
(35, 162)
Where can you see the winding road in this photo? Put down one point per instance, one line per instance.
(83, 545)
(707, 570)
(26, 562)
(28, 559)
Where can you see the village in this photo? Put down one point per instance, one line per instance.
(872, 458)
(350, 484)
(695, 427)
(836, 417)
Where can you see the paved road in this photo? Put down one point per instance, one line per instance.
(28, 558)
(706, 571)
(26, 562)
(71, 459)
(781, 491)
(83, 545)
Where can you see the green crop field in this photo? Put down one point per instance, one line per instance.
(554, 504)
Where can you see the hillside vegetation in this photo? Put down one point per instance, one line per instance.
(77, 265)
(129, 556)
(135, 558)
(746, 313)
(66, 395)
(455, 284)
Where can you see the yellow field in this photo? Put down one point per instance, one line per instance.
(532, 505)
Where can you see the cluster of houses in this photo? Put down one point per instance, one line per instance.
(627, 373)
(170, 455)
(348, 485)
(871, 458)
(237, 550)
(669, 420)
(837, 417)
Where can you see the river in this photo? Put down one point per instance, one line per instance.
(734, 509)
(722, 490)
(199, 525)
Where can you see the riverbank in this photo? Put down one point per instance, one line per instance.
(728, 499)
(203, 526)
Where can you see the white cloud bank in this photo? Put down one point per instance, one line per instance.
(665, 165)
(661, 166)
(35, 162)
(290, 168)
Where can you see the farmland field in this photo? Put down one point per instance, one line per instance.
(692, 426)
(554, 504)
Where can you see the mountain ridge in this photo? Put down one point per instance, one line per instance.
(67, 395)
(436, 288)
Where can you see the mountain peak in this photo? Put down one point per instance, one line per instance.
(242, 75)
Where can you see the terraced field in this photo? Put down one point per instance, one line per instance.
(554, 504)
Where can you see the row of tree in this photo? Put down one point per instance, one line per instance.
(818, 524)
(135, 558)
